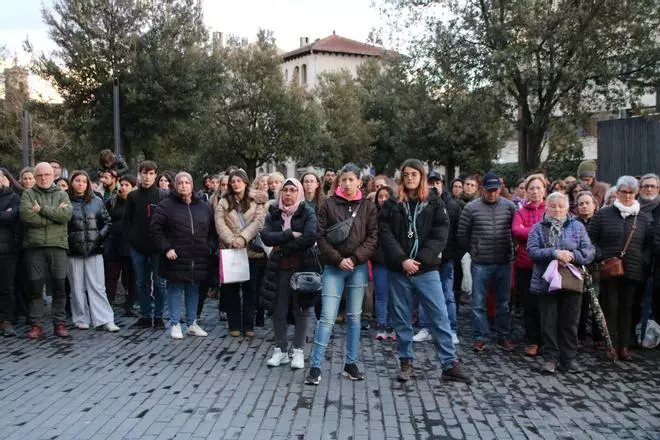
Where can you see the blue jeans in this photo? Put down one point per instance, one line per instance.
(145, 266)
(334, 281)
(447, 281)
(429, 290)
(381, 289)
(191, 293)
(500, 276)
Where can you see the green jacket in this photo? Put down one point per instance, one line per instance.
(48, 227)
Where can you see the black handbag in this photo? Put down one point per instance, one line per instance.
(339, 232)
(307, 282)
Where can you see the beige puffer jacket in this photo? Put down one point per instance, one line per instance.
(228, 225)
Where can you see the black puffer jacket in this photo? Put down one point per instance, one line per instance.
(432, 229)
(89, 227)
(609, 231)
(295, 253)
(362, 241)
(117, 245)
(9, 204)
(484, 231)
(186, 229)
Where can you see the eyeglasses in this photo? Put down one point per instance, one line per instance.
(626, 193)
(289, 190)
(649, 186)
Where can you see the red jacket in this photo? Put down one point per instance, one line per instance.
(523, 221)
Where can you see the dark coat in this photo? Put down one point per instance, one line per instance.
(140, 206)
(432, 229)
(186, 228)
(485, 231)
(609, 231)
(363, 239)
(9, 212)
(295, 253)
(117, 245)
(89, 227)
(452, 251)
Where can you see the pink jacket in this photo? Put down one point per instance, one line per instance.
(523, 220)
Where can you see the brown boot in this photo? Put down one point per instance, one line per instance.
(532, 350)
(60, 330)
(611, 354)
(624, 354)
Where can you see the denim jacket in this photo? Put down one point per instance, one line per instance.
(574, 238)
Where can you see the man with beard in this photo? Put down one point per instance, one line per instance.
(587, 174)
(328, 179)
(109, 184)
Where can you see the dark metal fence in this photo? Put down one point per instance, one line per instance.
(628, 146)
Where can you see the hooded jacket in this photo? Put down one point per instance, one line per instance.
(9, 205)
(432, 229)
(186, 229)
(523, 220)
(48, 227)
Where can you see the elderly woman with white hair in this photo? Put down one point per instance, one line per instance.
(562, 240)
(623, 237)
(180, 227)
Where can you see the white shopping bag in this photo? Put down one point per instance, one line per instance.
(234, 266)
(466, 265)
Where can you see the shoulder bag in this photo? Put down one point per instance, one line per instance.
(613, 266)
(307, 282)
(256, 245)
(339, 232)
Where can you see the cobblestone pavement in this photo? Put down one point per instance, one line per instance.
(140, 384)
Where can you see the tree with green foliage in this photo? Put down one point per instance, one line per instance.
(540, 58)
(255, 118)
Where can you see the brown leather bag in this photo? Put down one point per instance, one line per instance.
(570, 282)
(613, 267)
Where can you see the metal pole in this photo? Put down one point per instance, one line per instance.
(26, 138)
(115, 96)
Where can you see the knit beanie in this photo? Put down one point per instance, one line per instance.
(587, 168)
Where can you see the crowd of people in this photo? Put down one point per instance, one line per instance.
(425, 246)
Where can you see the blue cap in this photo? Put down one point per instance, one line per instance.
(491, 181)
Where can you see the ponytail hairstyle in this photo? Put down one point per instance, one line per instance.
(423, 190)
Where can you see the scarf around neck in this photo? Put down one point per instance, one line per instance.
(288, 211)
(627, 211)
(556, 228)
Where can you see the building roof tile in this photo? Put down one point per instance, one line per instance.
(336, 44)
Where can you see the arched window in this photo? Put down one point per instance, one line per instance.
(296, 75)
(303, 75)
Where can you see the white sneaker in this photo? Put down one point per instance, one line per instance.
(298, 359)
(454, 337)
(195, 330)
(83, 326)
(175, 333)
(111, 327)
(422, 335)
(278, 358)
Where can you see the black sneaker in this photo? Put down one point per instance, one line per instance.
(159, 324)
(572, 367)
(549, 367)
(456, 374)
(351, 371)
(143, 323)
(406, 372)
(314, 376)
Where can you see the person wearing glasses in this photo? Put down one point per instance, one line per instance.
(610, 229)
(45, 211)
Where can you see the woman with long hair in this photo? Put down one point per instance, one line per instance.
(165, 180)
(347, 237)
(239, 216)
(27, 177)
(413, 233)
(89, 227)
(314, 196)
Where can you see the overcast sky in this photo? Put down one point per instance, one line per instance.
(289, 19)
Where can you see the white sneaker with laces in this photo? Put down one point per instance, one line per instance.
(298, 359)
(195, 330)
(111, 327)
(278, 358)
(83, 326)
(454, 337)
(422, 335)
(176, 333)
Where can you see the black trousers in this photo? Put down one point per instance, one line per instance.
(530, 301)
(241, 310)
(286, 302)
(458, 280)
(616, 298)
(115, 270)
(7, 287)
(45, 265)
(560, 313)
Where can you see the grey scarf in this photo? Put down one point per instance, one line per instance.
(556, 228)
